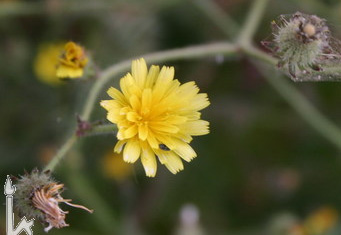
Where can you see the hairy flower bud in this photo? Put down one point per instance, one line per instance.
(304, 45)
(38, 196)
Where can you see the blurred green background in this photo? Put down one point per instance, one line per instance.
(261, 170)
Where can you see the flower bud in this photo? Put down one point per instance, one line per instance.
(304, 46)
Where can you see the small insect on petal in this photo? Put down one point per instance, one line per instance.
(164, 147)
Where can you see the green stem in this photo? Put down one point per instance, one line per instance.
(223, 21)
(102, 129)
(252, 22)
(61, 153)
(191, 52)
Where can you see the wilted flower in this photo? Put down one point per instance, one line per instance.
(305, 47)
(38, 196)
(72, 61)
(156, 116)
(45, 63)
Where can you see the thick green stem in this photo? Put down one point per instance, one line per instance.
(251, 24)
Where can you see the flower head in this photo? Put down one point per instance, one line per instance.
(46, 61)
(156, 116)
(38, 196)
(72, 61)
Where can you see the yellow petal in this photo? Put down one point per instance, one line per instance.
(135, 103)
(132, 117)
(163, 127)
(152, 76)
(163, 82)
(199, 102)
(131, 151)
(125, 84)
(119, 146)
(114, 116)
(143, 132)
(184, 150)
(110, 104)
(197, 127)
(149, 161)
(146, 101)
(130, 132)
(152, 141)
(117, 95)
(139, 71)
(176, 119)
(171, 161)
(69, 72)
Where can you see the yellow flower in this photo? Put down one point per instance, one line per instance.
(114, 167)
(72, 61)
(46, 61)
(156, 116)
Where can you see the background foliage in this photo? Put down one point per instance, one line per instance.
(260, 162)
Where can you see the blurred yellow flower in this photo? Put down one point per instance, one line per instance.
(321, 220)
(72, 61)
(156, 116)
(114, 167)
(46, 61)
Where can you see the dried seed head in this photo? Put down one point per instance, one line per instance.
(304, 45)
(38, 196)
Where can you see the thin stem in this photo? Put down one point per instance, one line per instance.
(101, 129)
(169, 55)
(61, 153)
(252, 22)
(223, 21)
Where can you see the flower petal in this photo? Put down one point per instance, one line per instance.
(146, 101)
(143, 132)
(110, 104)
(130, 132)
(135, 103)
(184, 150)
(152, 76)
(139, 71)
(117, 95)
(148, 161)
(197, 127)
(119, 146)
(171, 160)
(131, 151)
(163, 83)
